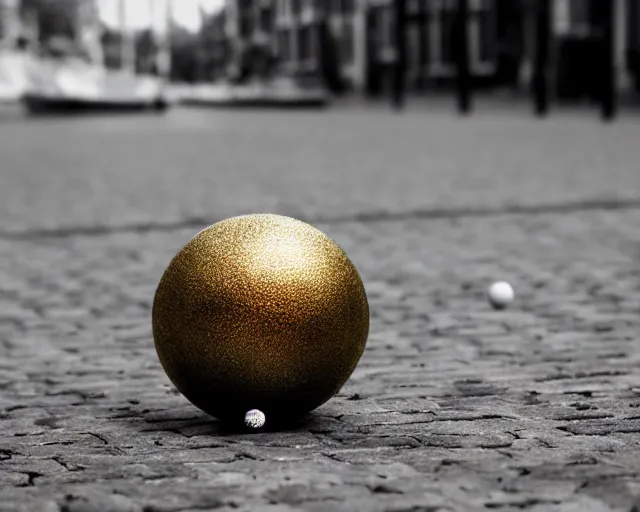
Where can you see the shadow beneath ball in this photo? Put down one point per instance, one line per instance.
(189, 421)
(305, 422)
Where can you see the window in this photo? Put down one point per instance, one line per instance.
(284, 45)
(479, 5)
(633, 22)
(304, 43)
(413, 48)
(346, 45)
(447, 35)
(579, 13)
(487, 36)
(296, 7)
(388, 28)
(481, 32)
(423, 44)
(347, 7)
(246, 25)
(266, 19)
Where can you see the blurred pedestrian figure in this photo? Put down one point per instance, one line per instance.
(510, 40)
(461, 55)
(330, 59)
(606, 73)
(540, 80)
(400, 64)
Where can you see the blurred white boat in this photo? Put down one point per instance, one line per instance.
(72, 84)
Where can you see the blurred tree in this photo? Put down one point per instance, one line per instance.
(111, 41)
(213, 45)
(184, 51)
(146, 51)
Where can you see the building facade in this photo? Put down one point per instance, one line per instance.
(502, 44)
(429, 37)
(351, 43)
(297, 38)
(322, 38)
(249, 31)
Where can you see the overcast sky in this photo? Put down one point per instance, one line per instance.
(140, 14)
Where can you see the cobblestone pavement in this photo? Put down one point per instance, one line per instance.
(454, 406)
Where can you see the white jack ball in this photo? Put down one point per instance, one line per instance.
(500, 294)
(254, 419)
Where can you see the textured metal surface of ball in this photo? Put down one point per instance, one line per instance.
(260, 312)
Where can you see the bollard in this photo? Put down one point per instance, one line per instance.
(400, 64)
(461, 38)
(540, 78)
(608, 99)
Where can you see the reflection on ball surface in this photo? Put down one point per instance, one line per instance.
(254, 419)
(260, 311)
(500, 294)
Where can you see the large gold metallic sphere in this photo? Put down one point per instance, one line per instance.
(260, 312)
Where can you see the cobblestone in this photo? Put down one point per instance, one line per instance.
(454, 406)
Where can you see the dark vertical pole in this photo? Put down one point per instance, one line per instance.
(373, 63)
(461, 45)
(421, 20)
(608, 89)
(540, 78)
(399, 86)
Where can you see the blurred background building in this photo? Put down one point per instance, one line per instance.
(350, 44)
(345, 45)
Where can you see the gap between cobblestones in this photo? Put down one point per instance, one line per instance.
(566, 207)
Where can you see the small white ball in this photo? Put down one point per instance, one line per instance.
(500, 294)
(254, 419)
